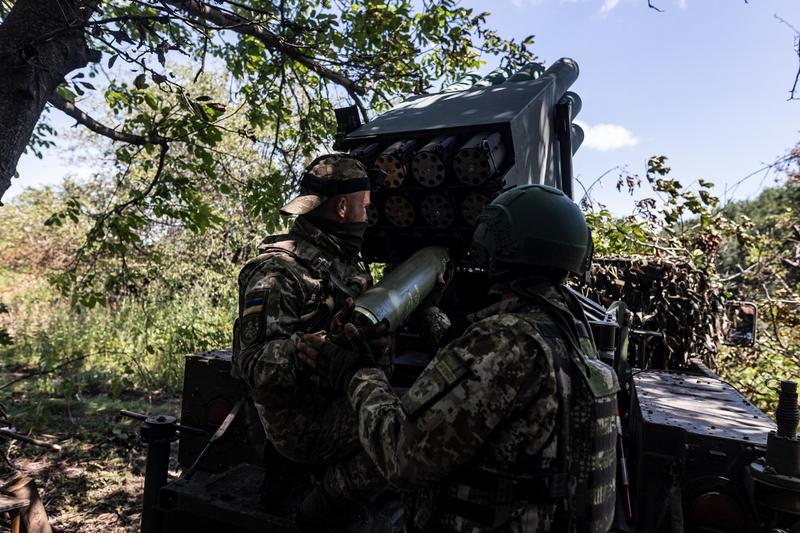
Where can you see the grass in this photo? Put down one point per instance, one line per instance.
(68, 372)
(132, 344)
(94, 484)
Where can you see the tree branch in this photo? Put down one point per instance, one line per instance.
(62, 104)
(360, 105)
(796, 49)
(588, 191)
(244, 26)
(44, 372)
(9, 434)
(129, 18)
(162, 158)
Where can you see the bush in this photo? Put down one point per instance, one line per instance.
(136, 344)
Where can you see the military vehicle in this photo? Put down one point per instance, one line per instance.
(694, 454)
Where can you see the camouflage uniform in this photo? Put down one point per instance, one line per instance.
(292, 288)
(486, 430)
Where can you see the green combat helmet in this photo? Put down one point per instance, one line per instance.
(535, 225)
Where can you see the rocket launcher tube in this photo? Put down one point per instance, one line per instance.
(529, 72)
(398, 294)
(463, 83)
(564, 71)
(577, 138)
(575, 101)
(495, 77)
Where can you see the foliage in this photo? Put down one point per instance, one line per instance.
(194, 89)
(137, 338)
(675, 221)
(134, 344)
(94, 484)
(5, 337)
(127, 245)
(30, 245)
(681, 253)
(767, 271)
(661, 261)
(678, 304)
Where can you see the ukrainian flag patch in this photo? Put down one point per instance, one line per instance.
(253, 304)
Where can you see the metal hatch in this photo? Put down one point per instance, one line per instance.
(700, 405)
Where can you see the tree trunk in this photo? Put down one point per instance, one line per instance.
(41, 41)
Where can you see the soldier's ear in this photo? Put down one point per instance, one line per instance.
(341, 207)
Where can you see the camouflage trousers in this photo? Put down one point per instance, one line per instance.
(327, 437)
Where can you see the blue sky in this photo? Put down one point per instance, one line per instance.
(705, 83)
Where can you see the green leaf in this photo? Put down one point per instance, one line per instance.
(65, 93)
(151, 101)
(140, 82)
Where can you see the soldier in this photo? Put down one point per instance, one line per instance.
(294, 287)
(511, 426)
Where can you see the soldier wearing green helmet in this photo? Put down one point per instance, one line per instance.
(511, 426)
(535, 226)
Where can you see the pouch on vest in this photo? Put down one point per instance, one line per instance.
(601, 378)
(598, 376)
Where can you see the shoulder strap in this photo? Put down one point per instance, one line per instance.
(312, 266)
(253, 266)
(319, 266)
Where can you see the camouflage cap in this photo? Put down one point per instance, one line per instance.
(328, 175)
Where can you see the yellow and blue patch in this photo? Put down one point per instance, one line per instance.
(253, 305)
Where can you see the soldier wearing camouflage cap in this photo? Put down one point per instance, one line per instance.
(292, 288)
(511, 426)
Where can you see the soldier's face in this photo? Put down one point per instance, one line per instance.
(356, 207)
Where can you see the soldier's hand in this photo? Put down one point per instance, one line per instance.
(378, 338)
(342, 317)
(435, 297)
(432, 321)
(336, 364)
(309, 346)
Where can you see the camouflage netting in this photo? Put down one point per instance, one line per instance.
(666, 295)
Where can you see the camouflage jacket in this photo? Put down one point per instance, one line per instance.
(292, 288)
(489, 401)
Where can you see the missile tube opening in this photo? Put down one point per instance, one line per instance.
(479, 159)
(429, 165)
(394, 162)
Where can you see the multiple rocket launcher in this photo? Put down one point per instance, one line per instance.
(448, 154)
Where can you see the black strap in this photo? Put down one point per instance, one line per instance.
(327, 188)
(340, 285)
(321, 269)
(535, 487)
(218, 434)
(507, 492)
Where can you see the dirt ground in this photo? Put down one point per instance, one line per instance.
(94, 484)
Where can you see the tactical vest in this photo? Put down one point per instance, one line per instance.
(580, 489)
(284, 475)
(323, 304)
